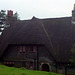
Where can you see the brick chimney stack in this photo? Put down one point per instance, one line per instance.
(10, 13)
(9, 17)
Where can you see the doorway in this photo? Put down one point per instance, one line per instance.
(45, 67)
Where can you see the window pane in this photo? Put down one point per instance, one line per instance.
(24, 49)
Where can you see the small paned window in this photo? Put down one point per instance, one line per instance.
(32, 48)
(9, 63)
(31, 65)
(23, 64)
(22, 49)
(60, 67)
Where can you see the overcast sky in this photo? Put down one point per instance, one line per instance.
(39, 8)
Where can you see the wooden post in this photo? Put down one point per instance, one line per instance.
(56, 68)
(34, 64)
(66, 69)
(37, 58)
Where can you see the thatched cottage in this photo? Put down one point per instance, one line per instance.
(42, 44)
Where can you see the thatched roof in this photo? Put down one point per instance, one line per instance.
(54, 33)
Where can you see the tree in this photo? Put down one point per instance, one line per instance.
(2, 20)
(3, 14)
(73, 54)
(16, 16)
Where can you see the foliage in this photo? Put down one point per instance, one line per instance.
(16, 16)
(2, 14)
(4, 70)
(73, 54)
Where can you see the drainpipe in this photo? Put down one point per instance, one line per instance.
(65, 69)
(37, 58)
(56, 69)
(56, 66)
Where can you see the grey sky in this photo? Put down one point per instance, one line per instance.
(39, 8)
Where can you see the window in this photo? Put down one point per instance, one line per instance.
(23, 64)
(60, 67)
(9, 63)
(32, 48)
(31, 65)
(22, 49)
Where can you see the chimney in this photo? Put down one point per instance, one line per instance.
(73, 15)
(9, 17)
(10, 13)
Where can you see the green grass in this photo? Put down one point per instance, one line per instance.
(4, 70)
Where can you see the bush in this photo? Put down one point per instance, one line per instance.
(22, 68)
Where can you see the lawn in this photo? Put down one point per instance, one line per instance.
(4, 70)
